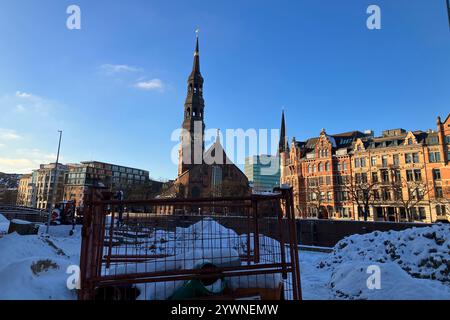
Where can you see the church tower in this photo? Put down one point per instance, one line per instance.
(192, 137)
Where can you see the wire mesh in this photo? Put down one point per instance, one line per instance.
(222, 248)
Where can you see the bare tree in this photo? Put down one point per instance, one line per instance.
(364, 193)
(408, 192)
(314, 196)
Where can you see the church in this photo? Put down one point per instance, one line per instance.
(202, 174)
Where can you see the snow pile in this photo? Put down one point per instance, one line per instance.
(4, 224)
(34, 267)
(206, 241)
(209, 236)
(414, 264)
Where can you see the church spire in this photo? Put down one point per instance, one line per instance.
(196, 65)
(282, 145)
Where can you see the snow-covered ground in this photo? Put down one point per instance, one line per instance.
(414, 264)
(34, 267)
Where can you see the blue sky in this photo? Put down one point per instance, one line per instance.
(117, 86)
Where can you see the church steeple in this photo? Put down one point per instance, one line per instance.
(195, 104)
(196, 66)
(282, 145)
(192, 139)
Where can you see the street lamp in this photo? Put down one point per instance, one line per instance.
(55, 185)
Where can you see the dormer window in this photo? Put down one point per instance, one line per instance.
(410, 141)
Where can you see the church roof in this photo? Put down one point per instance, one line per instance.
(211, 157)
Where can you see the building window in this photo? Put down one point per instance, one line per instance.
(373, 160)
(440, 210)
(447, 139)
(435, 157)
(438, 192)
(363, 162)
(320, 167)
(327, 167)
(384, 176)
(357, 162)
(397, 176)
(384, 161)
(374, 177)
(410, 141)
(361, 177)
(412, 157)
(409, 175)
(345, 166)
(436, 174)
(386, 194)
(408, 158)
(396, 159)
(418, 213)
(418, 175)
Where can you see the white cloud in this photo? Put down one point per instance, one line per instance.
(24, 95)
(10, 165)
(9, 135)
(154, 84)
(27, 103)
(112, 69)
(25, 161)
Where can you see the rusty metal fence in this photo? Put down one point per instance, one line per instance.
(215, 248)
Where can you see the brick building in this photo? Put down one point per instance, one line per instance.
(202, 173)
(398, 176)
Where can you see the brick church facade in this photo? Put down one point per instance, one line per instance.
(202, 174)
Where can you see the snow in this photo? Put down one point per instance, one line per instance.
(22, 222)
(20, 253)
(4, 224)
(413, 263)
(349, 281)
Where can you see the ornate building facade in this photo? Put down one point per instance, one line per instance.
(398, 176)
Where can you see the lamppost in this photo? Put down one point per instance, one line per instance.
(55, 185)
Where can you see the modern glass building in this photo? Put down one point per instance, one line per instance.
(263, 172)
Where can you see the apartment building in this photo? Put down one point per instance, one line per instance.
(398, 176)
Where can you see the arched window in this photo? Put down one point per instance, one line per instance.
(188, 112)
(327, 166)
(320, 167)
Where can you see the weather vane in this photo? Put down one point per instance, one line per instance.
(197, 31)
